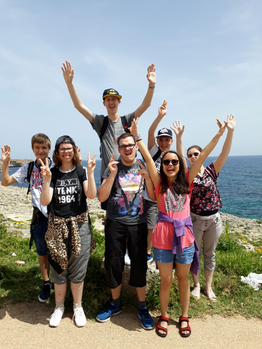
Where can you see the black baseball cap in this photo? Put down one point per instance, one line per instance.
(164, 132)
(64, 139)
(111, 92)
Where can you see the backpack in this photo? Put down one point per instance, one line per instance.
(105, 124)
(29, 173)
(157, 154)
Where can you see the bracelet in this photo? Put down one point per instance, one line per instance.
(152, 86)
(139, 140)
(138, 136)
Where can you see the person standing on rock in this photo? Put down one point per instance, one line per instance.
(204, 205)
(123, 186)
(68, 237)
(110, 127)
(41, 146)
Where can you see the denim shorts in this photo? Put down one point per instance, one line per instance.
(167, 256)
(39, 231)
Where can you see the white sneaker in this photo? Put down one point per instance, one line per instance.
(127, 259)
(79, 317)
(57, 316)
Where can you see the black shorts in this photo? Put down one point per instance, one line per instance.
(117, 235)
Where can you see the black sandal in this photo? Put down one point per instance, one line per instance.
(184, 329)
(161, 328)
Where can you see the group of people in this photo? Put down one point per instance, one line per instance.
(158, 201)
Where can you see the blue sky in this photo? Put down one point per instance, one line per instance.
(208, 57)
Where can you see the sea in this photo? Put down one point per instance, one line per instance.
(239, 184)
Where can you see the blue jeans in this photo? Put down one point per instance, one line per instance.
(167, 256)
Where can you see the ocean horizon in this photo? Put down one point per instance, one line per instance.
(239, 184)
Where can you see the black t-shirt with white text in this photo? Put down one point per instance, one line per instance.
(69, 199)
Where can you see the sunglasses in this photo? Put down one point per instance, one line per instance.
(195, 155)
(128, 146)
(173, 162)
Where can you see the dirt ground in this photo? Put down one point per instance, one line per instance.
(26, 326)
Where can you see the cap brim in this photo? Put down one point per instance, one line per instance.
(111, 95)
(164, 135)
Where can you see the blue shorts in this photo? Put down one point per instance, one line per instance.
(39, 231)
(167, 256)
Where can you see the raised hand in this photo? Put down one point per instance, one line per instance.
(177, 128)
(133, 128)
(91, 163)
(231, 123)
(68, 72)
(78, 151)
(162, 110)
(112, 165)
(6, 153)
(45, 170)
(143, 172)
(221, 127)
(151, 75)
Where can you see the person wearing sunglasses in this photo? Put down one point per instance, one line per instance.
(173, 238)
(204, 204)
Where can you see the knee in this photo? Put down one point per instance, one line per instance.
(183, 281)
(166, 282)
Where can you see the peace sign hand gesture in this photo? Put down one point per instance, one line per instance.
(45, 170)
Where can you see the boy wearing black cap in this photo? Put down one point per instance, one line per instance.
(111, 100)
(156, 146)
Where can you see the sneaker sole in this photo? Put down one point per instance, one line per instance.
(145, 328)
(42, 300)
(99, 320)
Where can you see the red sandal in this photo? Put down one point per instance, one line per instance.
(184, 329)
(161, 328)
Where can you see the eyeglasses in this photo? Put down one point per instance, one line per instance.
(193, 154)
(130, 146)
(65, 149)
(173, 162)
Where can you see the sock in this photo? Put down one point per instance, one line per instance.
(142, 304)
(117, 302)
(77, 305)
(57, 304)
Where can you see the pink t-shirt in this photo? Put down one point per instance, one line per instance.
(174, 206)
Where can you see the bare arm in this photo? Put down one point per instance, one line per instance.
(90, 185)
(151, 77)
(107, 184)
(151, 132)
(179, 130)
(149, 185)
(6, 180)
(220, 161)
(47, 192)
(68, 74)
(194, 169)
(144, 151)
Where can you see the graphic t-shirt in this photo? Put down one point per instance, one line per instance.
(36, 184)
(125, 202)
(69, 199)
(109, 140)
(205, 195)
(174, 206)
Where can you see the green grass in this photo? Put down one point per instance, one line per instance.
(22, 283)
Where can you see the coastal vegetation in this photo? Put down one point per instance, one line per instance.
(20, 283)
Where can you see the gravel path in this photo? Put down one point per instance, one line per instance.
(26, 326)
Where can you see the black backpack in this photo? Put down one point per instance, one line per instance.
(29, 172)
(105, 124)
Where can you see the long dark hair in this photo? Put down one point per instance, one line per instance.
(180, 185)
